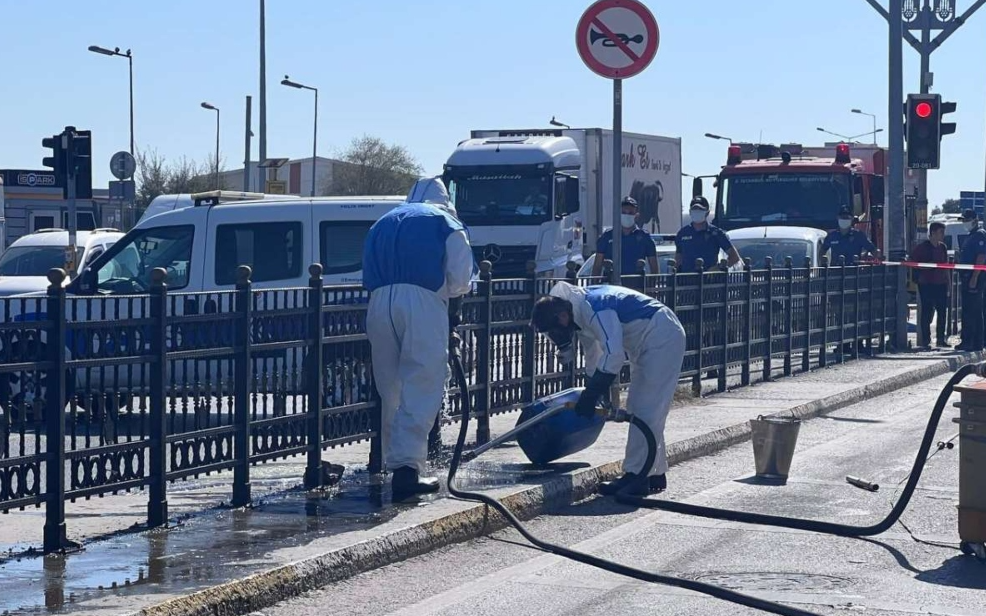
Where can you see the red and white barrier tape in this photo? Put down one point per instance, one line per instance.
(947, 266)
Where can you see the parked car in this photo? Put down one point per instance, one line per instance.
(778, 243)
(25, 265)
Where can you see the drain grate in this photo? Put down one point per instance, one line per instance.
(775, 581)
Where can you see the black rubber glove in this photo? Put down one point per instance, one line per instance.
(595, 389)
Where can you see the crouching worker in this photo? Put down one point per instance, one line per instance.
(613, 323)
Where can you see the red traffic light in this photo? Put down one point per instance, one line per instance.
(923, 109)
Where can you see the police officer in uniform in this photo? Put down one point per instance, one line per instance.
(846, 241)
(972, 252)
(637, 243)
(702, 240)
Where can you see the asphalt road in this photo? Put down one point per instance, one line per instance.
(891, 575)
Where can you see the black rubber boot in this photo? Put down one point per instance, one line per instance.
(634, 485)
(407, 483)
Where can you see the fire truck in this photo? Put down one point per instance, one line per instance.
(797, 186)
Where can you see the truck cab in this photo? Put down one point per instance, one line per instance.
(517, 194)
(763, 185)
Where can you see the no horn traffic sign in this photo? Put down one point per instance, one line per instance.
(617, 39)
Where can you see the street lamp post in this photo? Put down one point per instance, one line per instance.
(212, 107)
(555, 122)
(714, 136)
(130, 59)
(300, 86)
(853, 138)
(875, 131)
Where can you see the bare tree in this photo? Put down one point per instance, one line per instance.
(373, 167)
(157, 176)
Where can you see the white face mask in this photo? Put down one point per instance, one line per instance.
(971, 225)
(628, 220)
(697, 216)
(844, 223)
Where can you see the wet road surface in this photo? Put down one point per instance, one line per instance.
(890, 575)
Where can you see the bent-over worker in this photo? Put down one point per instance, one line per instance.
(613, 323)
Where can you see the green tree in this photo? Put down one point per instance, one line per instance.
(157, 176)
(371, 166)
(951, 206)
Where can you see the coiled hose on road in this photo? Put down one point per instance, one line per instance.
(818, 526)
(588, 559)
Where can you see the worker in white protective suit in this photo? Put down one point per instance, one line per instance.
(613, 323)
(415, 259)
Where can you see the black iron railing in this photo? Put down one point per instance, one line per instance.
(105, 394)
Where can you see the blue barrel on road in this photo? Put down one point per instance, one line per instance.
(562, 435)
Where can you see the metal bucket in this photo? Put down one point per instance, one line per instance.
(561, 435)
(774, 440)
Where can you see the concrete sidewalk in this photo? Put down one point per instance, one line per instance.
(223, 561)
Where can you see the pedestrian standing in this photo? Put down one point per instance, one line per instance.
(845, 242)
(415, 259)
(700, 239)
(973, 252)
(637, 244)
(933, 284)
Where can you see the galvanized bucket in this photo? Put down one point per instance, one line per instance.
(774, 440)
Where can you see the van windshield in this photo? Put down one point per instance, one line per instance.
(127, 266)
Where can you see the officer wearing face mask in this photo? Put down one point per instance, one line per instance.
(702, 240)
(846, 241)
(972, 252)
(637, 243)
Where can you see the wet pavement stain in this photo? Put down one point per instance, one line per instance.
(218, 545)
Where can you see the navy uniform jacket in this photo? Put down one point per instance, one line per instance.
(636, 246)
(703, 244)
(849, 245)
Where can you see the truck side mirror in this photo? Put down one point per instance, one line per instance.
(877, 196)
(571, 194)
(697, 187)
(87, 281)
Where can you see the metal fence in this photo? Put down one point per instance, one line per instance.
(105, 394)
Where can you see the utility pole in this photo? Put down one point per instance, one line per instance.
(246, 148)
(263, 84)
(895, 132)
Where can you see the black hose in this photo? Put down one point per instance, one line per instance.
(588, 559)
(818, 526)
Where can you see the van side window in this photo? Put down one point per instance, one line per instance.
(271, 249)
(341, 250)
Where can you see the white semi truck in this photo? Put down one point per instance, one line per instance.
(546, 195)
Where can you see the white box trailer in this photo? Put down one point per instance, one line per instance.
(546, 195)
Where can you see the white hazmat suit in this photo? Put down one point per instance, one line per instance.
(616, 323)
(415, 259)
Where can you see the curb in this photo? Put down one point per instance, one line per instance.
(264, 589)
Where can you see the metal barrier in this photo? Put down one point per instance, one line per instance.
(106, 394)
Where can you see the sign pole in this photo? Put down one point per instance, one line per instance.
(617, 179)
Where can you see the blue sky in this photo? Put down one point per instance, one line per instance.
(424, 73)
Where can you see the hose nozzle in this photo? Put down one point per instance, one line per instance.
(979, 369)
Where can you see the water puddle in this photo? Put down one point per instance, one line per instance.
(218, 545)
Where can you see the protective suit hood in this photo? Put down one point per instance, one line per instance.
(433, 191)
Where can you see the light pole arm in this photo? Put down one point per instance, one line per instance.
(956, 23)
(910, 38)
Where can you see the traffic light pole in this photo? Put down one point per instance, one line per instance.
(71, 176)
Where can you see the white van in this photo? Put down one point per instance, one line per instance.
(170, 203)
(202, 246)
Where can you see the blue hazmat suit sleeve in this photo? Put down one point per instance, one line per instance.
(459, 265)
